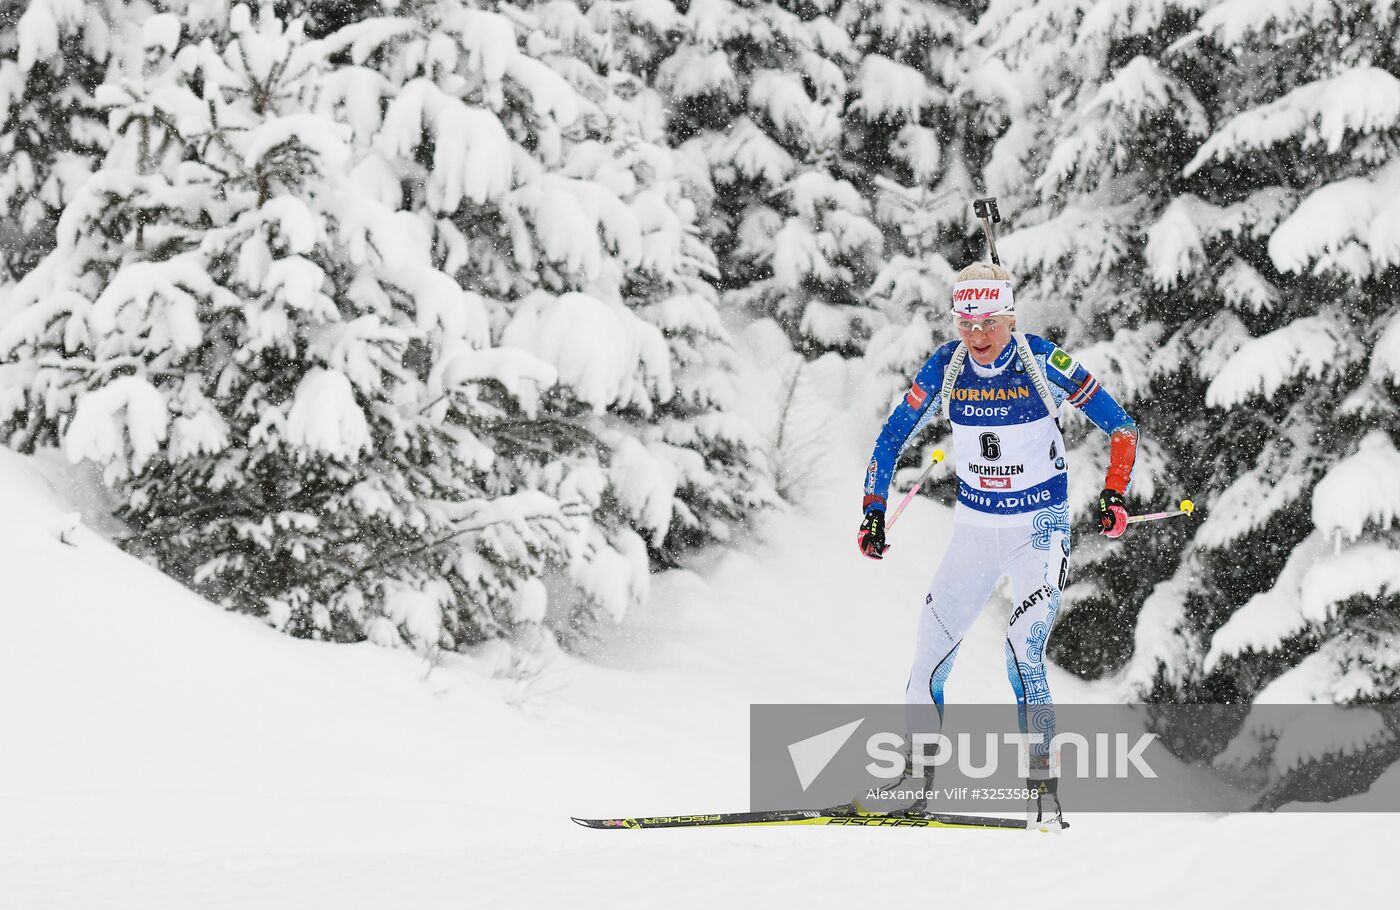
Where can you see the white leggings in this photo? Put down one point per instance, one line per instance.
(1036, 557)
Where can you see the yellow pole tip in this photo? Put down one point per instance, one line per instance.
(1188, 506)
(937, 455)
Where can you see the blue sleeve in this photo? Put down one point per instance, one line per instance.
(913, 412)
(1071, 381)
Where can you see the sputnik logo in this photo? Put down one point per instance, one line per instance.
(810, 756)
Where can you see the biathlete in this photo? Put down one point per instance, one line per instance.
(1001, 391)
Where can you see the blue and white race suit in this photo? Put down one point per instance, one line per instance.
(1011, 517)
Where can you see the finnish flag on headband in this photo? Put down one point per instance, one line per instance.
(983, 297)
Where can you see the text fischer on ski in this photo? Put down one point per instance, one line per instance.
(1000, 390)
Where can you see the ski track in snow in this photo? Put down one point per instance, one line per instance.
(160, 753)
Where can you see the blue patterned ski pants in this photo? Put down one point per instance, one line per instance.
(1035, 555)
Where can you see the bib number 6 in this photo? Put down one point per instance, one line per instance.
(991, 447)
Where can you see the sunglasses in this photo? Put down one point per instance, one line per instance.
(985, 324)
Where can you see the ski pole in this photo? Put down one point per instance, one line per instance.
(1186, 508)
(937, 457)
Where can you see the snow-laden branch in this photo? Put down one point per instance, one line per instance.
(1233, 22)
(1362, 488)
(1272, 616)
(1360, 101)
(1266, 364)
(1176, 242)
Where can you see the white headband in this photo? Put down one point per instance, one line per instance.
(983, 298)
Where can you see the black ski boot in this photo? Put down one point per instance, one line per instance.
(906, 795)
(1043, 808)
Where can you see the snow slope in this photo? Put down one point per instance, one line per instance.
(159, 753)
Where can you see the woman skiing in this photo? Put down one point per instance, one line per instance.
(1001, 392)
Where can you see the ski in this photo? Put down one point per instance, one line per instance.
(808, 817)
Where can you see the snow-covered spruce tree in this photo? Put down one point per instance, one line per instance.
(53, 55)
(797, 109)
(1281, 246)
(248, 340)
(1097, 128)
(541, 170)
(721, 472)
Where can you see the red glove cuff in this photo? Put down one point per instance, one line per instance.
(1122, 454)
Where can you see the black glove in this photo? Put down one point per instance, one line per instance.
(1113, 513)
(871, 536)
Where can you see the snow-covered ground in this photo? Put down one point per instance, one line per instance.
(160, 753)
